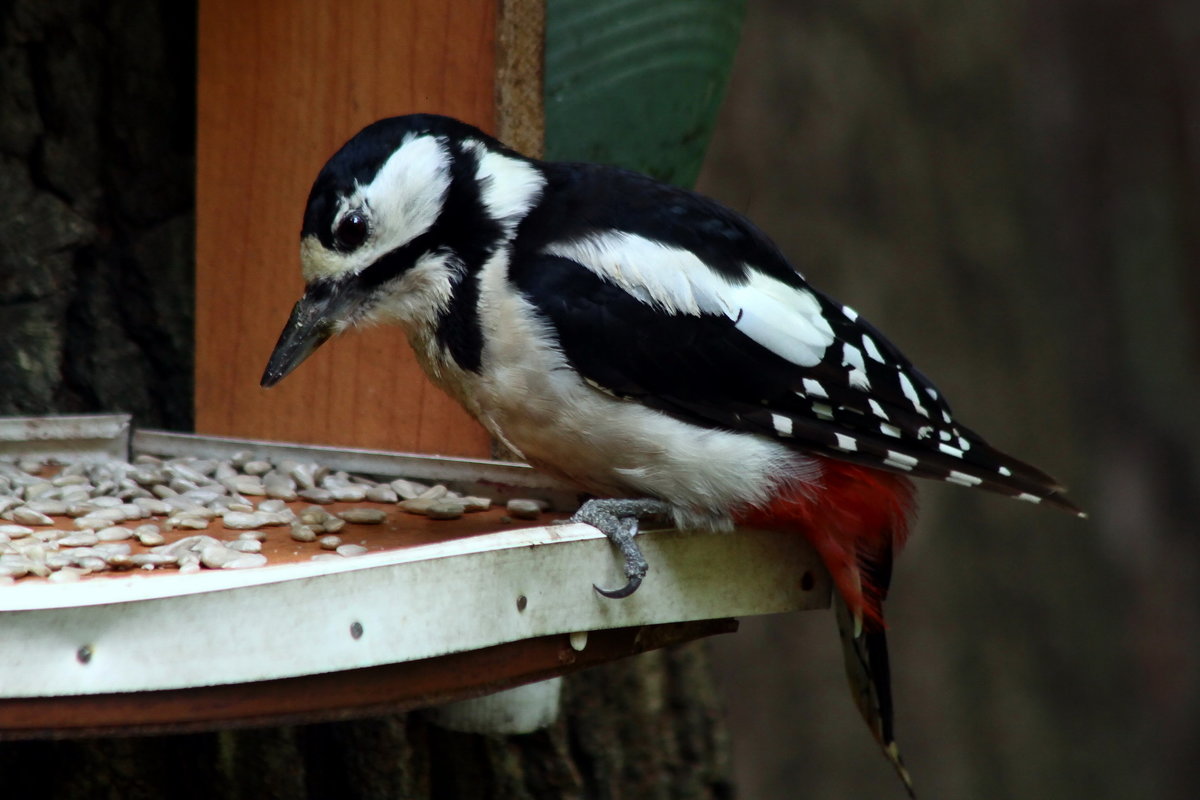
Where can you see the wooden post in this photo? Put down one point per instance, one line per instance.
(281, 86)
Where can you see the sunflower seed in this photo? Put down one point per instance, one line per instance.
(316, 495)
(65, 479)
(110, 514)
(27, 516)
(472, 503)
(76, 494)
(204, 495)
(520, 508)
(215, 556)
(279, 486)
(248, 485)
(382, 494)
(305, 475)
(148, 476)
(153, 559)
(187, 520)
(363, 516)
(106, 549)
(239, 520)
(54, 508)
(329, 542)
(49, 534)
(406, 489)
(445, 509)
(314, 515)
(335, 480)
(416, 505)
(149, 535)
(132, 511)
(40, 489)
(351, 550)
(349, 493)
(92, 564)
(116, 533)
(303, 533)
(66, 575)
(433, 492)
(80, 539)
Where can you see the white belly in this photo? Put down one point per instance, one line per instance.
(532, 400)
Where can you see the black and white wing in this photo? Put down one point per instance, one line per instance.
(664, 297)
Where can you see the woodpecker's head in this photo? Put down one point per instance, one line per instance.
(400, 215)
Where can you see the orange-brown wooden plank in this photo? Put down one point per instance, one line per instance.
(282, 85)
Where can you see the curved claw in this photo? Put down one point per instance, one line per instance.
(618, 520)
(616, 594)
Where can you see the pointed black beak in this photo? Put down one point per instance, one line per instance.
(316, 317)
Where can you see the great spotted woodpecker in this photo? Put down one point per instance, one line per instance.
(647, 344)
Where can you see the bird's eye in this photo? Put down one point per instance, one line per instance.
(351, 231)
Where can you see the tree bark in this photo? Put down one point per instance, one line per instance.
(96, 295)
(645, 727)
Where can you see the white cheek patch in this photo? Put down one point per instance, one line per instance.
(406, 196)
(402, 201)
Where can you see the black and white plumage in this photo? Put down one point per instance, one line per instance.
(646, 344)
(639, 290)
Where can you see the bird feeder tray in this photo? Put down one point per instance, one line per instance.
(434, 610)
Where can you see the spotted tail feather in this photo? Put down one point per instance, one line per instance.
(856, 522)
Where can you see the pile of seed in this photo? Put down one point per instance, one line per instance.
(116, 503)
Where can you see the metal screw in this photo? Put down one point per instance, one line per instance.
(356, 630)
(521, 603)
(84, 654)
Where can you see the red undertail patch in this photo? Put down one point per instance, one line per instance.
(857, 518)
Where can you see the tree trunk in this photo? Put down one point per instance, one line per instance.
(96, 192)
(646, 727)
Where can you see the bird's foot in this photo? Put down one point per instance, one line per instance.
(618, 520)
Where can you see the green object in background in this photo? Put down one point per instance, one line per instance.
(637, 83)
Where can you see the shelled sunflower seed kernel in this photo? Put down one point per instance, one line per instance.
(108, 500)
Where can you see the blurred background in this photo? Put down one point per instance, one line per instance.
(1010, 190)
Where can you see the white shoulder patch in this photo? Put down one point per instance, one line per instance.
(510, 186)
(782, 318)
(670, 278)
